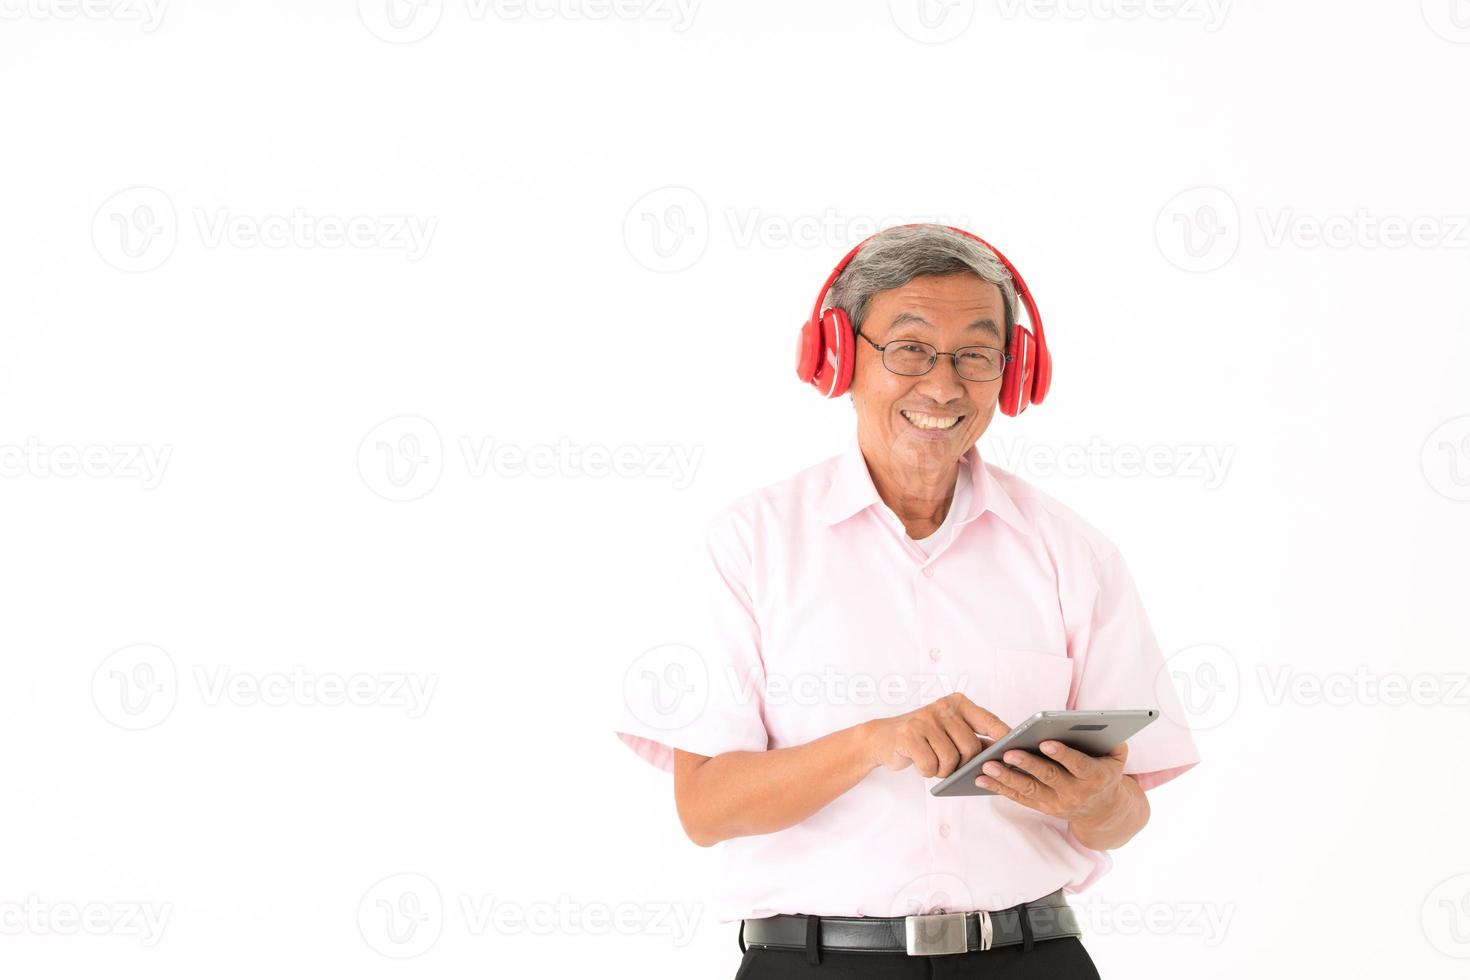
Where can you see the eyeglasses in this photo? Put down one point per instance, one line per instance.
(914, 357)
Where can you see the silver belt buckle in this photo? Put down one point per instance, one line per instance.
(942, 932)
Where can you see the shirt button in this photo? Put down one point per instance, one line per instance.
(933, 653)
(928, 571)
(944, 830)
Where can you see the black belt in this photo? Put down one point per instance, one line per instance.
(1048, 917)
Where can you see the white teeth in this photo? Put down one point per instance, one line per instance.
(930, 421)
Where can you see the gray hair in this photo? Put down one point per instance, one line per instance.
(894, 256)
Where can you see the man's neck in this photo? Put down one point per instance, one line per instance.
(919, 497)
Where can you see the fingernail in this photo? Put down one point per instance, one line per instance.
(1050, 748)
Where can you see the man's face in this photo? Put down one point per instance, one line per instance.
(949, 312)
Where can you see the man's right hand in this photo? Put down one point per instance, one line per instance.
(935, 739)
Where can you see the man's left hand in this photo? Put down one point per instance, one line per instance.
(1062, 782)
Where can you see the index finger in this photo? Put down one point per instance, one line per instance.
(981, 720)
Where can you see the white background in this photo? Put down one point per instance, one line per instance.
(622, 220)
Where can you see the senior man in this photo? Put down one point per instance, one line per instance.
(907, 573)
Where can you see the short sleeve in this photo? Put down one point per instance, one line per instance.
(1118, 664)
(701, 690)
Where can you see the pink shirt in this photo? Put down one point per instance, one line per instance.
(811, 610)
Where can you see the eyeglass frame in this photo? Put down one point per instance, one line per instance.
(1005, 357)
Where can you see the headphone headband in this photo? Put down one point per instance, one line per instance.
(1033, 315)
(826, 351)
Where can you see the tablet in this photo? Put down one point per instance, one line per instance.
(1094, 732)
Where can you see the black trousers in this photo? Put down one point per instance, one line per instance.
(1051, 959)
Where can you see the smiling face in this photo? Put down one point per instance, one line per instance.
(913, 429)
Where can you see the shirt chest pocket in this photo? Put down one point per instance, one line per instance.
(1023, 682)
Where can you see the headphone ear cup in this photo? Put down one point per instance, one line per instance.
(808, 351)
(838, 354)
(1015, 385)
(1041, 382)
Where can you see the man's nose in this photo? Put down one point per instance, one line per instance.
(943, 382)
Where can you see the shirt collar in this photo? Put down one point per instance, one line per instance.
(852, 490)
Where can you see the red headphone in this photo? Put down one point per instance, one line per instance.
(826, 349)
